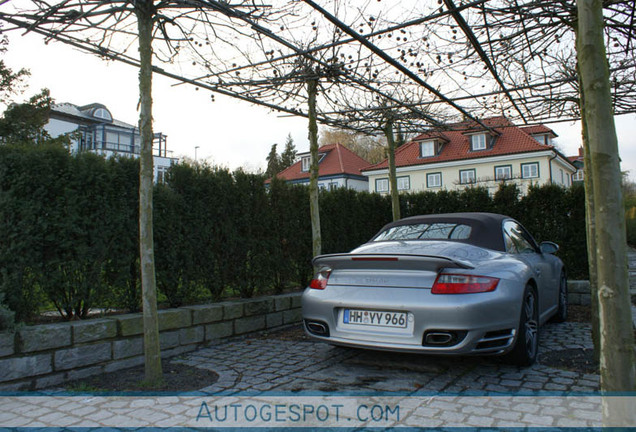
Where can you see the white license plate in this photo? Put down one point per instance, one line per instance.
(375, 318)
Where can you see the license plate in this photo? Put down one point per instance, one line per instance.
(375, 318)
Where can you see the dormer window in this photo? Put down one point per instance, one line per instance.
(543, 139)
(305, 163)
(102, 113)
(431, 147)
(478, 142)
(427, 148)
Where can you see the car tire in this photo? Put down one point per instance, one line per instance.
(524, 352)
(562, 311)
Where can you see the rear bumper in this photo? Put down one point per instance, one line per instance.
(486, 323)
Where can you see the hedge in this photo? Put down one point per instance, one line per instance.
(68, 229)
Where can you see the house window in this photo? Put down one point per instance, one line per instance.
(434, 180)
(305, 162)
(578, 175)
(427, 149)
(561, 174)
(333, 186)
(102, 113)
(503, 172)
(530, 170)
(543, 139)
(478, 142)
(382, 185)
(467, 176)
(161, 174)
(404, 183)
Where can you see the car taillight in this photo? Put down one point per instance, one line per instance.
(320, 280)
(447, 283)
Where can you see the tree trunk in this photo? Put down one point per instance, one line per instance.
(395, 196)
(314, 208)
(591, 240)
(152, 351)
(617, 339)
(590, 224)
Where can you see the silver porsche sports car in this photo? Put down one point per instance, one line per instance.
(460, 283)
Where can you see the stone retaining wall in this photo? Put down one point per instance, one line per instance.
(579, 293)
(40, 356)
(46, 355)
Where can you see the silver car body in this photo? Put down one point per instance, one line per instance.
(397, 276)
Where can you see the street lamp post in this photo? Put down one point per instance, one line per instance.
(195, 152)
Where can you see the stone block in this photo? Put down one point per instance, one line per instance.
(128, 348)
(203, 314)
(295, 300)
(124, 364)
(259, 306)
(85, 355)
(166, 354)
(574, 298)
(170, 319)
(249, 324)
(95, 329)
(76, 374)
(191, 335)
(586, 299)
(292, 316)
(130, 324)
(274, 320)
(50, 381)
(232, 310)
(282, 302)
(24, 367)
(219, 330)
(579, 286)
(7, 344)
(169, 339)
(44, 337)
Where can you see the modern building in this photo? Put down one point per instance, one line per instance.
(94, 129)
(337, 167)
(468, 154)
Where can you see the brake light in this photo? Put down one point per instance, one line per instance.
(320, 280)
(447, 283)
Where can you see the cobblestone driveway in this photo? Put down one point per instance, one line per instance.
(269, 364)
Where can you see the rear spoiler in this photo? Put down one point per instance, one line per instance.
(388, 262)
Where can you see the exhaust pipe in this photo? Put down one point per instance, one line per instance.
(318, 328)
(438, 338)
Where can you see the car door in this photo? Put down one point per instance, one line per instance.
(519, 241)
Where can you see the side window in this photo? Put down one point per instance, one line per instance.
(516, 239)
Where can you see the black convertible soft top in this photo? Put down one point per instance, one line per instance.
(486, 228)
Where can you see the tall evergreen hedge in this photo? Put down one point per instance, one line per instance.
(68, 229)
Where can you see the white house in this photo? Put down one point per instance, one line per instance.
(97, 131)
(468, 154)
(337, 167)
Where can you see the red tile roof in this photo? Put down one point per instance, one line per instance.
(510, 140)
(538, 129)
(338, 160)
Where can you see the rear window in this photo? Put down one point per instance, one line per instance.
(427, 231)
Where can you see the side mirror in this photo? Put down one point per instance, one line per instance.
(548, 247)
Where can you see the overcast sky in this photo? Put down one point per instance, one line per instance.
(227, 132)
